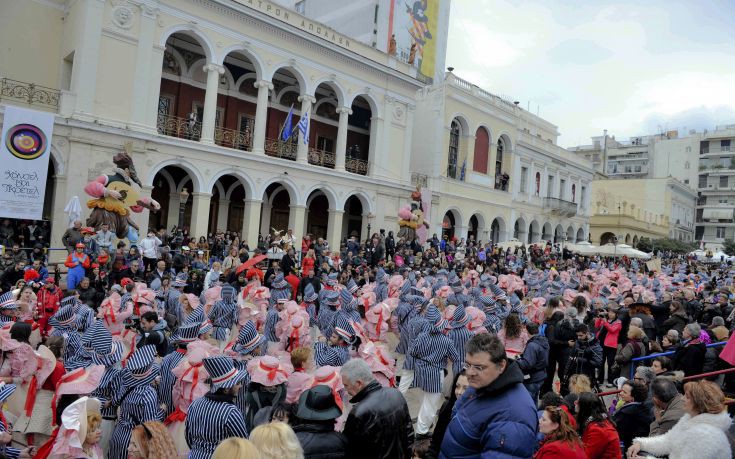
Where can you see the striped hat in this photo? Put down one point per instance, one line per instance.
(248, 339)
(186, 333)
(310, 295)
(346, 299)
(331, 279)
(6, 390)
(487, 302)
(228, 293)
(180, 280)
(7, 301)
(140, 367)
(279, 282)
(196, 317)
(435, 318)
(417, 301)
(331, 297)
(105, 351)
(405, 289)
(498, 293)
(205, 328)
(64, 318)
(381, 276)
(343, 329)
(460, 317)
(222, 372)
(280, 294)
(351, 286)
(71, 300)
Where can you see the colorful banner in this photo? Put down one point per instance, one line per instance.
(415, 22)
(24, 156)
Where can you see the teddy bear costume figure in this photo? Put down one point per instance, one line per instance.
(411, 220)
(115, 196)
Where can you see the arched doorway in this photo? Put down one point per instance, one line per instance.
(276, 209)
(352, 221)
(495, 231)
(627, 239)
(472, 232)
(558, 234)
(534, 232)
(580, 235)
(635, 241)
(570, 234)
(448, 225)
(547, 234)
(317, 215)
(360, 130)
(520, 231)
(606, 238)
(227, 208)
(168, 189)
(287, 88)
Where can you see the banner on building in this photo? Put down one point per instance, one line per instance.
(24, 156)
(415, 22)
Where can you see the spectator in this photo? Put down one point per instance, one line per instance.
(634, 348)
(514, 336)
(609, 325)
(668, 406)
(560, 439)
(718, 329)
(700, 433)
(689, 358)
(534, 360)
(152, 332)
(379, 424)
(150, 440)
(72, 236)
(459, 386)
(496, 406)
(634, 417)
(599, 436)
(585, 358)
(149, 248)
(317, 412)
(678, 318)
(236, 448)
(104, 238)
(276, 441)
(671, 341)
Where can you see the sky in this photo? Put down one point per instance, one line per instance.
(631, 67)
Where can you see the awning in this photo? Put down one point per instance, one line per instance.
(717, 214)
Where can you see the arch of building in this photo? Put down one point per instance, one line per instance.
(580, 235)
(520, 230)
(607, 237)
(497, 230)
(534, 232)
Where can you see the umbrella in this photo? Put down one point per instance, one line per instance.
(250, 263)
(583, 248)
(73, 211)
(512, 243)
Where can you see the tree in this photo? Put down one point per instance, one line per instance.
(729, 247)
(666, 245)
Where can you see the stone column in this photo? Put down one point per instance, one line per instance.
(297, 221)
(143, 63)
(261, 116)
(341, 151)
(210, 101)
(408, 143)
(142, 218)
(199, 224)
(302, 154)
(376, 165)
(172, 217)
(334, 228)
(86, 57)
(265, 218)
(223, 213)
(251, 222)
(59, 220)
(154, 89)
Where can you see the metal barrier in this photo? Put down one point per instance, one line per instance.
(663, 354)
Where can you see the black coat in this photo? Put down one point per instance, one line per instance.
(690, 358)
(320, 441)
(633, 420)
(535, 359)
(379, 425)
(675, 322)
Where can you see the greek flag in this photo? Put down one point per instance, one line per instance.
(304, 127)
(287, 131)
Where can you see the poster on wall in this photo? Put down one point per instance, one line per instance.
(24, 156)
(415, 22)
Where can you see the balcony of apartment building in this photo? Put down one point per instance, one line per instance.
(560, 207)
(713, 148)
(232, 105)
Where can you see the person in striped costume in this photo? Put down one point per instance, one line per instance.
(224, 315)
(459, 334)
(8, 308)
(214, 417)
(337, 351)
(417, 325)
(431, 350)
(328, 301)
(138, 400)
(64, 323)
(184, 335)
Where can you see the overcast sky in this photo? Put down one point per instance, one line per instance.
(631, 67)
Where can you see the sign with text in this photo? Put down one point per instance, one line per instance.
(24, 156)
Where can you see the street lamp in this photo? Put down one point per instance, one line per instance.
(370, 219)
(183, 197)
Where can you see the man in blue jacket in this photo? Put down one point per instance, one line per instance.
(496, 416)
(534, 360)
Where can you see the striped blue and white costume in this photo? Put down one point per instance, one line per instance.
(211, 420)
(168, 379)
(336, 356)
(325, 320)
(269, 328)
(139, 405)
(416, 326)
(430, 351)
(224, 314)
(404, 312)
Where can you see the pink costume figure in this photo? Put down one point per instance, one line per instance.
(477, 320)
(293, 333)
(376, 322)
(113, 315)
(19, 364)
(329, 376)
(379, 360)
(190, 385)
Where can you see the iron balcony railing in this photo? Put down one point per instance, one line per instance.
(179, 127)
(280, 149)
(560, 206)
(30, 93)
(321, 158)
(356, 166)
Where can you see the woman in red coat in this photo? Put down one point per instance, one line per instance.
(599, 436)
(561, 440)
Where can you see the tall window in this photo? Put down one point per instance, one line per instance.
(538, 183)
(582, 195)
(453, 149)
(524, 179)
(482, 146)
(550, 187)
(499, 157)
(720, 232)
(574, 192)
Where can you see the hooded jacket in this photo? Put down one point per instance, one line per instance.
(702, 436)
(498, 420)
(534, 359)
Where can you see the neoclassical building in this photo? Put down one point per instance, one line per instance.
(495, 170)
(199, 92)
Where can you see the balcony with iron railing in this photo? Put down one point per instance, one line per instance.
(280, 149)
(29, 93)
(356, 166)
(321, 158)
(560, 207)
(182, 128)
(230, 138)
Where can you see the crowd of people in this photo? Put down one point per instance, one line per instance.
(176, 346)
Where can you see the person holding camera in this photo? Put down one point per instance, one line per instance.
(152, 331)
(585, 358)
(609, 325)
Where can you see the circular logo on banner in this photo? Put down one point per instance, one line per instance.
(25, 141)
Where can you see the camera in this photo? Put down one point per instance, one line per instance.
(132, 323)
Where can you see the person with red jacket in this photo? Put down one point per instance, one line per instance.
(599, 436)
(609, 325)
(77, 262)
(561, 440)
(49, 299)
